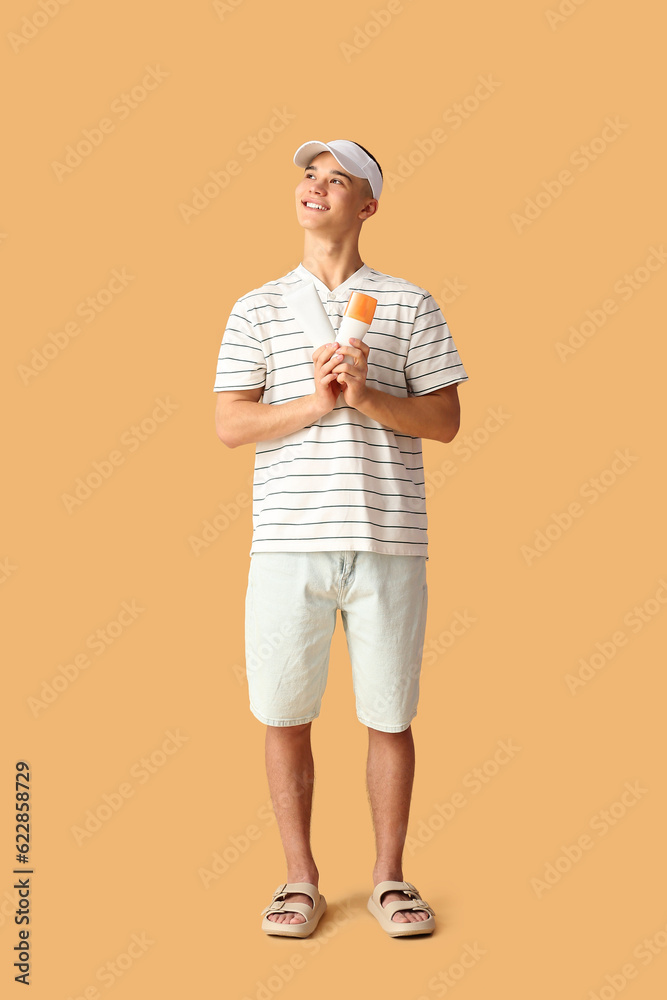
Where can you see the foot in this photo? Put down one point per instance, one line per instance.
(295, 897)
(292, 918)
(401, 916)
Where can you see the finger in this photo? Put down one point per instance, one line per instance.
(351, 351)
(345, 369)
(357, 367)
(323, 350)
(364, 348)
(331, 363)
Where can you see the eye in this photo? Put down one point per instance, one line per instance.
(310, 174)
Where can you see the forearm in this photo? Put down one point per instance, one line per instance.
(424, 416)
(244, 421)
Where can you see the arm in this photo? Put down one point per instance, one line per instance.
(240, 417)
(434, 415)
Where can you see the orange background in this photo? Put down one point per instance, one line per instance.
(387, 76)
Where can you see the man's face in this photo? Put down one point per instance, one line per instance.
(345, 199)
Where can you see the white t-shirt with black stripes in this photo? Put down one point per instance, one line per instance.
(344, 481)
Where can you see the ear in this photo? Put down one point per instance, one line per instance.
(370, 208)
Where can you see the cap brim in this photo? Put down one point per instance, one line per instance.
(310, 149)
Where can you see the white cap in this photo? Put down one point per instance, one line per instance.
(351, 157)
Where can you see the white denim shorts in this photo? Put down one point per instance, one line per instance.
(291, 604)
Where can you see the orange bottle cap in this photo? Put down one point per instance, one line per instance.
(361, 307)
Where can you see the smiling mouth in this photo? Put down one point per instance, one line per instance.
(314, 207)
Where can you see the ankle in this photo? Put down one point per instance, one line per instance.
(311, 875)
(387, 873)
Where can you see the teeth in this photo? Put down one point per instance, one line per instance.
(311, 204)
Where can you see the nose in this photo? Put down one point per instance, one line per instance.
(316, 185)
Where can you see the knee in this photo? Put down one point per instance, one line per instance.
(381, 734)
(288, 732)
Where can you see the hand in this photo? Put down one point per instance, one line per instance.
(327, 389)
(352, 377)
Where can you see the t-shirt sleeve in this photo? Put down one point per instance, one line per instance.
(432, 360)
(241, 361)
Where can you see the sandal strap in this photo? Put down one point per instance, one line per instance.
(393, 886)
(414, 902)
(302, 908)
(403, 904)
(279, 903)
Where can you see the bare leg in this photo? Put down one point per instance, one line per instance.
(390, 775)
(290, 771)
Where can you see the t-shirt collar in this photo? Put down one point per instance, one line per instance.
(307, 275)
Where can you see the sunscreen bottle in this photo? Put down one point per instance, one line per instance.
(309, 312)
(357, 318)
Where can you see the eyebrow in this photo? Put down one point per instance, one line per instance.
(339, 172)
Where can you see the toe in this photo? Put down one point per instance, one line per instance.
(403, 916)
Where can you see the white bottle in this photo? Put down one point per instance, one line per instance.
(309, 312)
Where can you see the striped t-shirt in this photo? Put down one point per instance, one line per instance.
(344, 481)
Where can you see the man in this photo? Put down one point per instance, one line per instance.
(339, 518)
